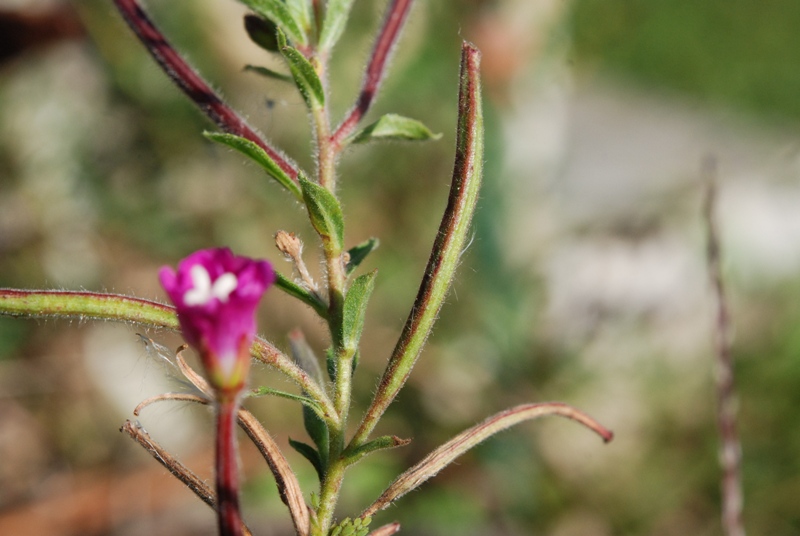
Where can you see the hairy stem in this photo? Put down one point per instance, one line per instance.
(176, 468)
(100, 306)
(396, 15)
(447, 248)
(229, 516)
(288, 485)
(192, 84)
(83, 305)
(329, 494)
(326, 177)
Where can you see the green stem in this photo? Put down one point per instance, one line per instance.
(82, 305)
(336, 278)
(118, 308)
(329, 496)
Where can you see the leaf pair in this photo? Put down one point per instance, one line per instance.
(277, 22)
(295, 19)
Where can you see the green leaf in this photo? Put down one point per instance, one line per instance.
(318, 432)
(310, 454)
(314, 422)
(259, 156)
(355, 309)
(358, 253)
(331, 364)
(325, 213)
(268, 73)
(301, 11)
(262, 32)
(393, 127)
(336, 14)
(381, 443)
(451, 239)
(307, 402)
(305, 76)
(281, 15)
(293, 289)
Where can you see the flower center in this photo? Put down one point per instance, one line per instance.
(204, 290)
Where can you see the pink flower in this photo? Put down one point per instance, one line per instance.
(216, 295)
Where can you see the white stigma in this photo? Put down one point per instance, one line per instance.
(203, 291)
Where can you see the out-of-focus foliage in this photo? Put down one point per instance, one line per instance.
(738, 53)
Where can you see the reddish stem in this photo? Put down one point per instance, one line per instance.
(396, 15)
(227, 469)
(192, 84)
(730, 449)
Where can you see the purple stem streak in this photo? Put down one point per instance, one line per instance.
(192, 84)
(396, 15)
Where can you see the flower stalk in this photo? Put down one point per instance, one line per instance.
(227, 471)
(216, 295)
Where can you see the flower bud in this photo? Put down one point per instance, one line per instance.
(216, 295)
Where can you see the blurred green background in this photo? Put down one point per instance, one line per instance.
(584, 283)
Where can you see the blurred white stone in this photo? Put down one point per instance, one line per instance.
(126, 373)
(605, 195)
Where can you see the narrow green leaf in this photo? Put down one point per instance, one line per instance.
(281, 15)
(301, 11)
(305, 75)
(358, 253)
(257, 155)
(331, 364)
(355, 309)
(266, 72)
(262, 32)
(318, 432)
(325, 213)
(393, 127)
(293, 289)
(314, 422)
(307, 402)
(444, 455)
(310, 454)
(448, 246)
(381, 443)
(336, 14)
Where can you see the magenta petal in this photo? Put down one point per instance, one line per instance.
(216, 294)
